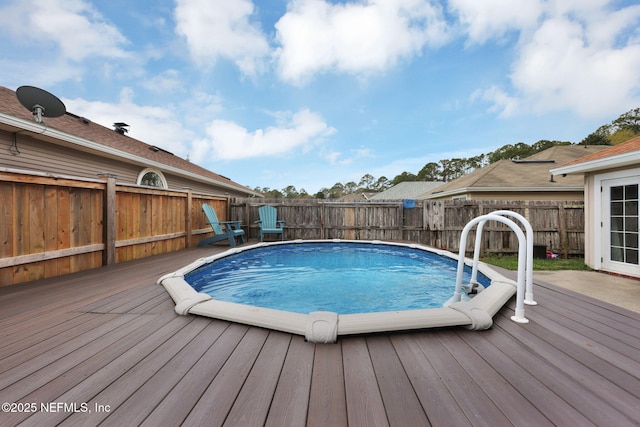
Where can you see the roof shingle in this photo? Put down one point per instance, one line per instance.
(84, 128)
(610, 151)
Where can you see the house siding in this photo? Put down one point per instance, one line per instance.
(48, 157)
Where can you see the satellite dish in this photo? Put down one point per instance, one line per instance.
(40, 102)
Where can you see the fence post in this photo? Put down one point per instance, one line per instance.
(562, 231)
(109, 218)
(188, 220)
(322, 219)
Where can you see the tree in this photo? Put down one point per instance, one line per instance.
(544, 144)
(621, 129)
(302, 194)
(367, 182)
(596, 138)
(404, 176)
(511, 152)
(336, 191)
(629, 120)
(382, 184)
(476, 162)
(290, 192)
(271, 194)
(430, 172)
(622, 135)
(350, 187)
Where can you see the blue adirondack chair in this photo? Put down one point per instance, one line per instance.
(231, 229)
(269, 224)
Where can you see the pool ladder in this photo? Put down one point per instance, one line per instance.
(524, 292)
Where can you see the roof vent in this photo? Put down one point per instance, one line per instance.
(121, 128)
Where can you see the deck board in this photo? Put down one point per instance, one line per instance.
(180, 400)
(364, 401)
(252, 403)
(436, 399)
(400, 401)
(135, 408)
(215, 403)
(476, 405)
(110, 337)
(327, 397)
(291, 397)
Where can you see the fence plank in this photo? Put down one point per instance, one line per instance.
(58, 225)
(437, 223)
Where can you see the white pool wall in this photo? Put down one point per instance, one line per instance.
(324, 326)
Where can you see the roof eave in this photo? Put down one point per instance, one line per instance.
(620, 160)
(466, 190)
(37, 129)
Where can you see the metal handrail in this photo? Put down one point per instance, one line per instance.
(522, 252)
(528, 296)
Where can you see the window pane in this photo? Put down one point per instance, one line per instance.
(617, 208)
(630, 224)
(631, 256)
(631, 192)
(617, 239)
(617, 193)
(617, 223)
(631, 208)
(631, 240)
(151, 179)
(617, 254)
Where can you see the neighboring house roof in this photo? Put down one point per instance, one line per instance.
(624, 154)
(82, 134)
(361, 196)
(529, 174)
(407, 190)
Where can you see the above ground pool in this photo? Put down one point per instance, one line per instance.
(341, 277)
(325, 288)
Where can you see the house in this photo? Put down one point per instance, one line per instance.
(71, 145)
(611, 178)
(525, 179)
(407, 190)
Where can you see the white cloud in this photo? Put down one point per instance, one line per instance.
(566, 66)
(74, 26)
(486, 19)
(355, 38)
(337, 158)
(167, 81)
(501, 102)
(153, 125)
(230, 141)
(578, 56)
(222, 29)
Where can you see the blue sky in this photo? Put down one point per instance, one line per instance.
(313, 92)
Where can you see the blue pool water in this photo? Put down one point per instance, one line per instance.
(345, 278)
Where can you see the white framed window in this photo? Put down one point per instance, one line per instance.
(152, 178)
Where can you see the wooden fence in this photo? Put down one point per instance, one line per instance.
(53, 225)
(557, 225)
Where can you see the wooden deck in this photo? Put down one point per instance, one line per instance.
(105, 347)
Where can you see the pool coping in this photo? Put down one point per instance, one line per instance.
(325, 327)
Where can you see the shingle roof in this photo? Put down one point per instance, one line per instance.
(532, 172)
(407, 190)
(84, 128)
(622, 148)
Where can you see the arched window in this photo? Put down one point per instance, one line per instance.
(152, 178)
